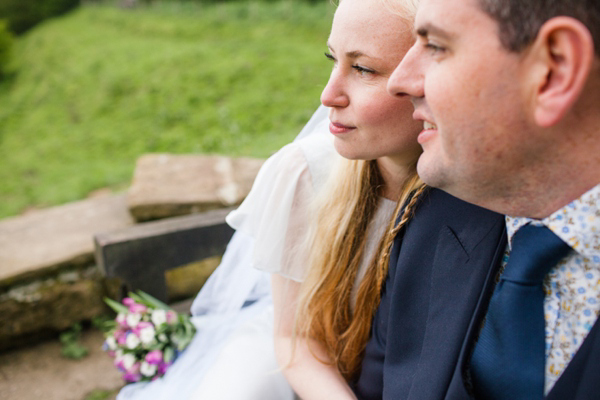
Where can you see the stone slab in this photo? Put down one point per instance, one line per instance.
(166, 185)
(44, 307)
(44, 241)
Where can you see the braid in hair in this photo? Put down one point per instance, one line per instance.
(369, 293)
(407, 212)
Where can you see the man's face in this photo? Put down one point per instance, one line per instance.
(468, 91)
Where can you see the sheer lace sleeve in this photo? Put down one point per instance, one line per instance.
(276, 212)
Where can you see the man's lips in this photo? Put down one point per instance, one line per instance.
(337, 128)
(428, 132)
(429, 128)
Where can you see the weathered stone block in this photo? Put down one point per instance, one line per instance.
(42, 242)
(46, 306)
(166, 185)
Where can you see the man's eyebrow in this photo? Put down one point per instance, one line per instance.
(428, 29)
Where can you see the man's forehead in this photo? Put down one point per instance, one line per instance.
(437, 15)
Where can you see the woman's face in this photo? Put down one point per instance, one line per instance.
(366, 44)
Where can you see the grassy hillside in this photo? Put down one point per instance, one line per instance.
(99, 87)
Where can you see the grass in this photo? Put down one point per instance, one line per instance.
(95, 89)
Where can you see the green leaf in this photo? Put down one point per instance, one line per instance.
(153, 301)
(117, 307)
(169, 354)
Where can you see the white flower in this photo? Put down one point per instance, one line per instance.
(133, 319)
(121, 319)
(118, 354)
(111, 343)
(163, 338)
(132, 341)
(159, 317)
(147, 369)
(147, 335)
(128, 361)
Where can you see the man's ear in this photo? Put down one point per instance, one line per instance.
(564, 52)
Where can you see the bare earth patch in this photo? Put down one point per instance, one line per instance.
(41, 372)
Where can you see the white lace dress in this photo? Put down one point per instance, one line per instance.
(232, 355)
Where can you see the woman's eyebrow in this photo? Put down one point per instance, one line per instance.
(355, 54)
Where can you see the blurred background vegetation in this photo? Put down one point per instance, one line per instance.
(86, 88)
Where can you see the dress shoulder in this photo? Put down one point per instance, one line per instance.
(277, 211)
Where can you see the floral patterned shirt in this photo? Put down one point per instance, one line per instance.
(572, 302)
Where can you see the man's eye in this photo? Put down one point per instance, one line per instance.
(434, 48)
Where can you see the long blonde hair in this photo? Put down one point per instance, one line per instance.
(338, 239)
(337, 246)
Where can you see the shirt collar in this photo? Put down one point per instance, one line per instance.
(577, 223)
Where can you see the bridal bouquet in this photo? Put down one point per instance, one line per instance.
(145, 337)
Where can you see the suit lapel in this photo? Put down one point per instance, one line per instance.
(466, 257)
(457, 388)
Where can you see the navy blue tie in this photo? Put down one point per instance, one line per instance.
(508, 361)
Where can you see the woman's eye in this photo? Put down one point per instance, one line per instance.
(362, 70)
(329, 56)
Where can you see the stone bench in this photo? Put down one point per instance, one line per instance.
(142, 256)
(48, 276)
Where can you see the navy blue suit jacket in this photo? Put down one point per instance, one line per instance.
(438, 266)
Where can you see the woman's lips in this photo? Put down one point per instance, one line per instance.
(338, 129)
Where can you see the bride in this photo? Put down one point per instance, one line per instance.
(318, 228)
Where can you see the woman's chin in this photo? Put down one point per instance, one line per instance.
(347, 151)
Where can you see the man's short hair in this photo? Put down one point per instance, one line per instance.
(520, 20)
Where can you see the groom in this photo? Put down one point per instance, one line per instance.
(509, 93)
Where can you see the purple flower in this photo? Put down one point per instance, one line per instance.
(154, 357)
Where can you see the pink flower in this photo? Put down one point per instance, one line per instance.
(133, 373)
(119, 364)
(141, 325)
(162, 368)
(171, 317)
(135, 368)
(128, 301)
(122, 320)
(129, 377)
(122, 339)
(137, 308)
(154, 357)
(119, 332)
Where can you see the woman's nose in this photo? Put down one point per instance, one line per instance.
(334, 94)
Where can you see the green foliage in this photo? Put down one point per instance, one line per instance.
(71, 348)
(24, 14)
(101, 86)
(103, 323)
(6, 44)
(100, 394)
